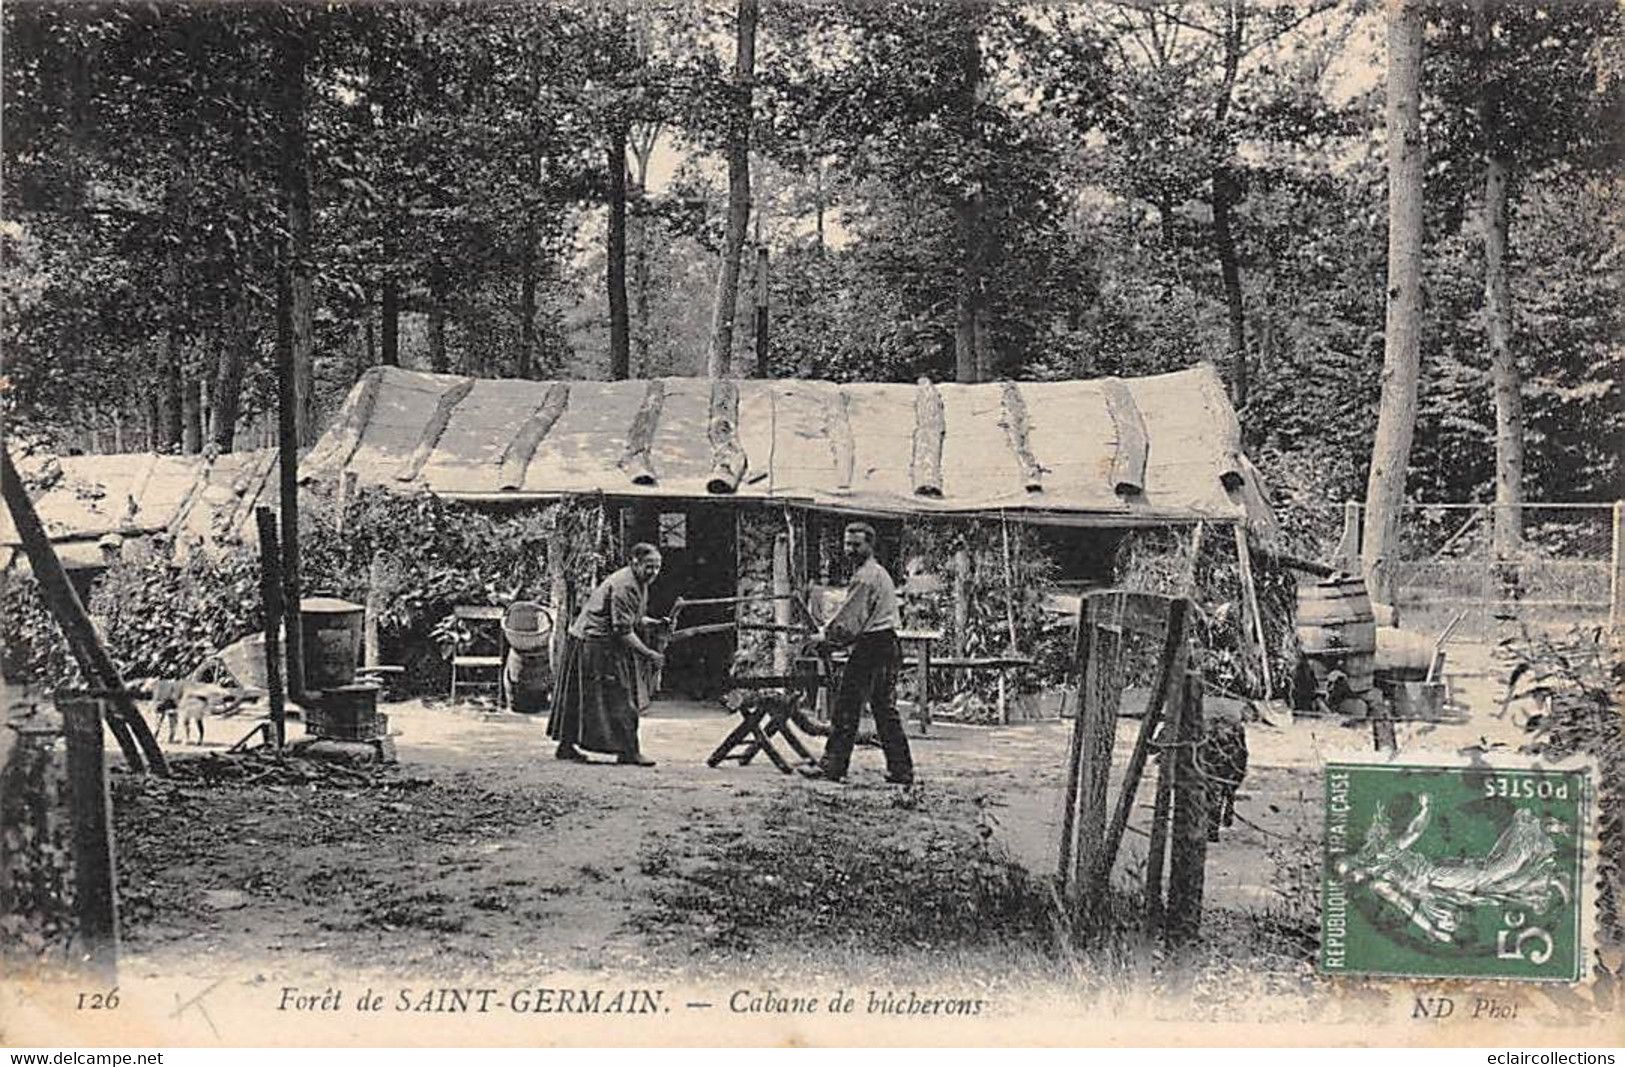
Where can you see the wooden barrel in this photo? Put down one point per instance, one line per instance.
(1337, 630)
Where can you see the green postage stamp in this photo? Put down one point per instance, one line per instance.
(1470, 871)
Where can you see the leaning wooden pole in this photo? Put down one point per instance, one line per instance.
(130, 730)
(1253, 623)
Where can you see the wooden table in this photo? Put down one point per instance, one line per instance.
(917, 655)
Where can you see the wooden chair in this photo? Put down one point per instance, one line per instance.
(480, 618)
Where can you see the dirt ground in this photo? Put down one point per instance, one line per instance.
(481, 853)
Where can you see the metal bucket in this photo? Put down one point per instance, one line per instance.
(332, 632)
(1417, 701)
(1403, 655)
(1337, 630)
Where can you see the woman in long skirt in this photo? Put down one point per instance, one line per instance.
(606, 680)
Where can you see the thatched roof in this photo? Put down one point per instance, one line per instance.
(1101, 452)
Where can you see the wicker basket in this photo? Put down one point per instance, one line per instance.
(527, 625)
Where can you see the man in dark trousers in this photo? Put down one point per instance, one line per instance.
(867, 623)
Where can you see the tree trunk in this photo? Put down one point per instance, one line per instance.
(191, 414)
(719, 362)
(228, 382)
(637, 240)
(527, 303)
(382, 89)
(1503, 363)
(437, 340)
(968, 212)
(1224, 196)
(171, 419)
(390, 310)
(620, 345)
(762, 368)
(438, 361)
(964, 316)
(297, 264)
(1396, 413)
(1226, 191)
(818, 206)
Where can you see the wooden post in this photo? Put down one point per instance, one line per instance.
(1096, 729)
(1254, 618)
(1188, 859)
(558, 588)
(923, 686)
(96, 895)
(782, 609)
(271, 596)
(1009, 617)
(1347, 553)
(961, 594)
(1080, 656)
(1156, 861)
(1382, 724)
(130, 730)
(1616, 596)
(372, 610)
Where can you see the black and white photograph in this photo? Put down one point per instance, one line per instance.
(835, 523)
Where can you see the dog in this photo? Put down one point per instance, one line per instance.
(185, 702)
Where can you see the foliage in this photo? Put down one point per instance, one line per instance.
(163, 614)
(1055, 171)
(34, 650)
(1008, 583)
(1159, 561)
(1576, 680)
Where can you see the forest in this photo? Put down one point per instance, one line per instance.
(837, 189)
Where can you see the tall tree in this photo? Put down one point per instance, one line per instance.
(620, 342)
(970, 210)
(1396, 412)
(719, 363)
(297, 271)
(1521, 90)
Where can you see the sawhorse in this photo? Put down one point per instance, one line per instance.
(764, 719)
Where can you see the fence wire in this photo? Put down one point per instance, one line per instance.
(1542, 567)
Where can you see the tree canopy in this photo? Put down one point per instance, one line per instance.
(974, 191)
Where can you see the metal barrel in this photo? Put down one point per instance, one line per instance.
(332, 633)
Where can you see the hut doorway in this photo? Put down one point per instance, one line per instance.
(696, 543)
